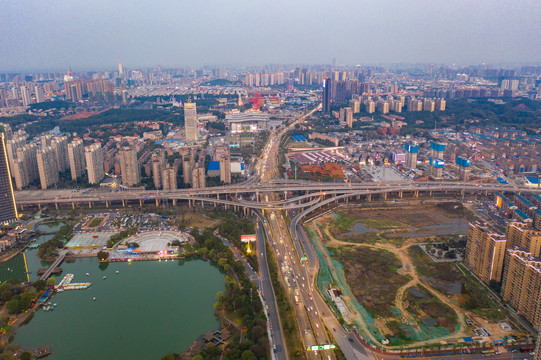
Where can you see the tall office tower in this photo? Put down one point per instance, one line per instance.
(485, 252)
(120, 70)
(187, 166)
(198, 177)
(129, 166)
(513, 84)
(521, 284)
(94, 163)
(47, 168)
(76, 156)
(169, 176)
(25, 96)
(440, 105)
(225, 168)
(40, 96)
(522, 235)
(327, 87)
(190, 121)
(60, 145)
(463, 168)
(412, 150)
(158, 165)
(8, 209)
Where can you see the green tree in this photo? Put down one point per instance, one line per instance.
(248, 355)
(25, 301)
(103, 255)
(51, 281)
(13, 306)
(198, 357)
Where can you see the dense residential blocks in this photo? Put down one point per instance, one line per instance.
(485, 253)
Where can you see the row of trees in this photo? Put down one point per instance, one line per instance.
(116, 238)
(49, 248)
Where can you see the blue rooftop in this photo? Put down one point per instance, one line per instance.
(214, 165)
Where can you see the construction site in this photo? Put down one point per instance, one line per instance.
(391, 289)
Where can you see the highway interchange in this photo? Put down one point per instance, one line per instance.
(296, 258)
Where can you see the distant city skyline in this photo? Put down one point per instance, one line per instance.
(52, 36)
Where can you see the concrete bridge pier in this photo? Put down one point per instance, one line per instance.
(400, 194)
(369, 197)
(486, 193)
(189, 203)
(430, 193)
(56, 205)
(22, 206)
(107, 204)
(90, 204)
(157, 202)
(123, 202)
(39, 206)
(285, 195)
(384, 196)
(202, 204)
(174, 202)
(73, 205)
(416, 193)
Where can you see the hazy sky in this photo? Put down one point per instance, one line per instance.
(99, 34)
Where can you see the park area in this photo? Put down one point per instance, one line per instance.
(393, 289)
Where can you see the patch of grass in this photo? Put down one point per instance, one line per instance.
(95, 222)
(372, 277)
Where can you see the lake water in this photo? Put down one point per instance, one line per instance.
(145, 311)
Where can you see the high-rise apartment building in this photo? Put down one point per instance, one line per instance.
(8, 209)
(129, 166)
(198, 177)
(47, 167)
(76, 157)
(521, 284)
(485, 252)
(190, 122)
(169, 176)
(25, 170)
(187, 166)
(60, 146)
(25, 96)
(523, 236)
(158, 166)
(94, 163)
(40, 96)
(225, 168)
(412, 150)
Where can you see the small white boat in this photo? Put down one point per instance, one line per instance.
(116, 272)
(87, 274)
(54, 304)
(94, 298)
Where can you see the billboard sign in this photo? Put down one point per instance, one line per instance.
(247, 238)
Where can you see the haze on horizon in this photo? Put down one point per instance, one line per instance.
(53, 35)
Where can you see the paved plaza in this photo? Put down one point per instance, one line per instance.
(157, 240)
(89, 240)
